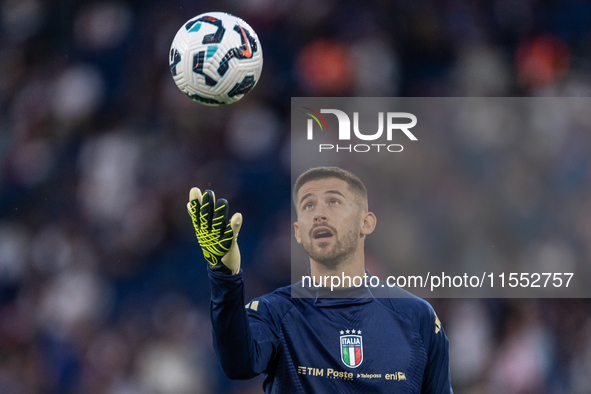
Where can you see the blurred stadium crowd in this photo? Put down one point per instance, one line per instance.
(102, 284)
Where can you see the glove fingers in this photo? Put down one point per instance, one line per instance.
(220, 221)
(220, 215)
(207, 209)
(216, 233)
(195, 194)
(194, 206)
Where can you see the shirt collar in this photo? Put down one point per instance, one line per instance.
(325, 297)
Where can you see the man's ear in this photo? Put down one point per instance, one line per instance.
(297, 232)
(368, 223)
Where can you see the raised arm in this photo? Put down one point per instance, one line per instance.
(243, 351)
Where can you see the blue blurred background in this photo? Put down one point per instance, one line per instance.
(102, 285)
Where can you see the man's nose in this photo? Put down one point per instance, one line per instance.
(320, 217)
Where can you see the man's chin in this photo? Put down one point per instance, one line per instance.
(328, 263)
(328, 259)
(325, 251)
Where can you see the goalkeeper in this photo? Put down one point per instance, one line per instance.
(356, 343)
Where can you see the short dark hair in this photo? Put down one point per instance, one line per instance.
(316, 173)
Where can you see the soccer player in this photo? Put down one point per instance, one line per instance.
(344, 340)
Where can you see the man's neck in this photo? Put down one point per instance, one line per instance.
(355, 266)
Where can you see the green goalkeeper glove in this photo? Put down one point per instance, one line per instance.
(216, 236)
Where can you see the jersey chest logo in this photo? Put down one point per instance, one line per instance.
(351, 348)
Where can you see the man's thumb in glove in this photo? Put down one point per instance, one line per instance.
(232, 258)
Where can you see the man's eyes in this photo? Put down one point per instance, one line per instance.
(311, 205)
(332, 202)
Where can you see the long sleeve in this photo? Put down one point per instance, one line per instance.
(437, 378)
(245, 345)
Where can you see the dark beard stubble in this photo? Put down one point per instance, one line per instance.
(343, 248)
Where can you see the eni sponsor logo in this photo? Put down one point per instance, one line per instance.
(395, 123)
(396, 376)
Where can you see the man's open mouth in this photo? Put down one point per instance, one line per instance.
(322, 234)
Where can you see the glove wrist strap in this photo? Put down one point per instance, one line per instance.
(220, 268)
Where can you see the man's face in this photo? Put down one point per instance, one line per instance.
(329, 221)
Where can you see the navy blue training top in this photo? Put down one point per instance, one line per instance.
(329, 345)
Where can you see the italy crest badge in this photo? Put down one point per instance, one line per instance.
(351, 348)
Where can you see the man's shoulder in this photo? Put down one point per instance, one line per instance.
(281, 295)
(405, 303)
(279, 301)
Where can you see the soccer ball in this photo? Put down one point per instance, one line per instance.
(216, 58)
